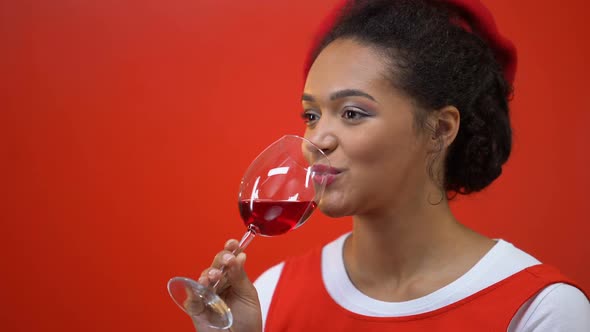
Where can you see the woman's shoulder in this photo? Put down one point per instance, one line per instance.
(265, 285)
(558, 307)
(269, 278)
(267, 282)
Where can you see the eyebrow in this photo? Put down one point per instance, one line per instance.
(341, 94)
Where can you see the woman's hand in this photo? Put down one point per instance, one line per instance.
(234, 288)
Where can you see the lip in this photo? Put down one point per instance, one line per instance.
(325, 174)
(325, 169)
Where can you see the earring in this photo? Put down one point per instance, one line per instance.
(431, 202)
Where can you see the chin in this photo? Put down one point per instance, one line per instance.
(333, 209)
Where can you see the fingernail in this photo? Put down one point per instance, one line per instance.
(202, 280)
(213, 272)
(227, 257)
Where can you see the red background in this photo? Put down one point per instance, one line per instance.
(126, 125)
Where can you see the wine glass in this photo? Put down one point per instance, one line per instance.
(278, 192)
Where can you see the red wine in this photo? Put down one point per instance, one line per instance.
(275, 217)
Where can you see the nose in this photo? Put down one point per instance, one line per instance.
(322, 139)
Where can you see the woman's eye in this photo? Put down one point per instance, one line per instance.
(309, 117)
(353, 115)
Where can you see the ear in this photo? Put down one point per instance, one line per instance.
(445, 123)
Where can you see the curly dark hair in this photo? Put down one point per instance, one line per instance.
(438, 63)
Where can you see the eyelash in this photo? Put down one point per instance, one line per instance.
(355, 115)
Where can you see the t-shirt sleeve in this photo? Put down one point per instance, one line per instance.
(265, 285)
(558, 307)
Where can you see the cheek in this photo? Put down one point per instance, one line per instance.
(380, 145)
(385, 156)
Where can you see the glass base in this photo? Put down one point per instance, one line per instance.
(200, 303)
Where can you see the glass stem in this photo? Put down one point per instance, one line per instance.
(244, 242)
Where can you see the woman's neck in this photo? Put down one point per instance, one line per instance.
(410, 253)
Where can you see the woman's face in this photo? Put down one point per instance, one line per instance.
(367, 129)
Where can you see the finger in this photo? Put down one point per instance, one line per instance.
(204, 280)
(218, 259)
(216, 277)
(231, 245)
(236, 274)
(210, 275)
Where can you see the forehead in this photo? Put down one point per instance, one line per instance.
(344, 64)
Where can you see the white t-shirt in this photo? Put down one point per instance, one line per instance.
(558, 307)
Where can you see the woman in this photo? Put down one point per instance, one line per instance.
(409, 100)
